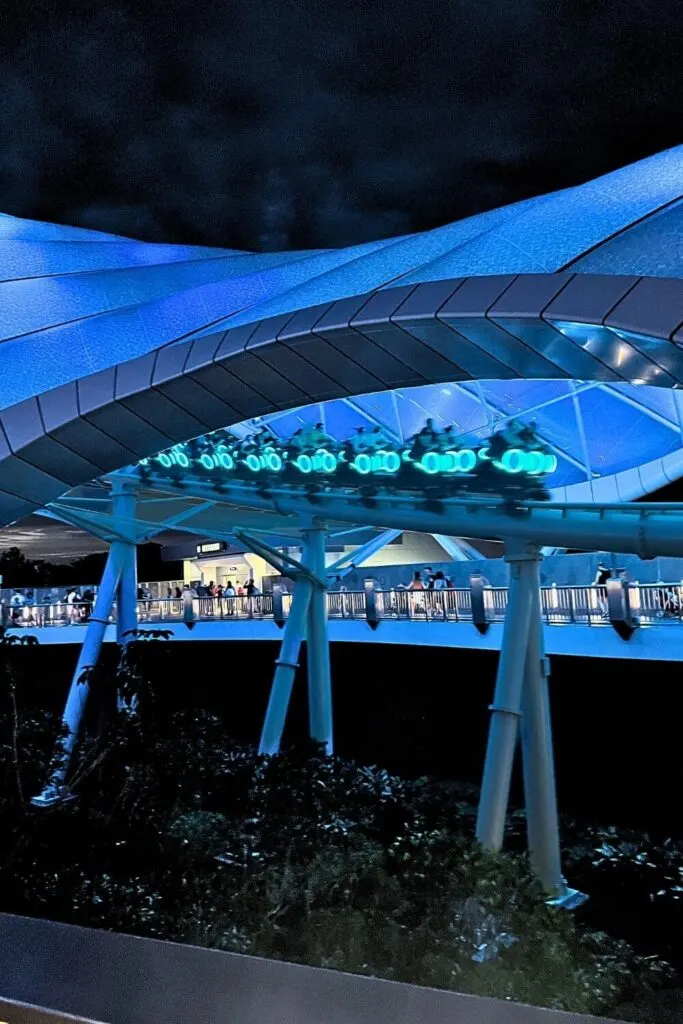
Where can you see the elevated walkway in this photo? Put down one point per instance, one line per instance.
(647, 644)
(579, 617)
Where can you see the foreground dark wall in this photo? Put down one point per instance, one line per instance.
(120, 979)
(425, 711)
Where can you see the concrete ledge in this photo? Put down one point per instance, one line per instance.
(648, 643)
(120, 979)
(13, 1012)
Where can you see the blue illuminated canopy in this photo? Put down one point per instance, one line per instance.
(566, 309)
(104, 299)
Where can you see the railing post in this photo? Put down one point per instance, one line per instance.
(278, 606)
(506, 707)
(619, 609)
(479, 614)
(371, 611)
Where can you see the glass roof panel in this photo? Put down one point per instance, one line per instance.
(548, 402)
(384, 407)
(341, 419)
(619, 436)
(286, 424)
(445, 403)
(660, 400)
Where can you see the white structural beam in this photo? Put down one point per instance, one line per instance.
(355, 559)
(457, 549)
(124, 496)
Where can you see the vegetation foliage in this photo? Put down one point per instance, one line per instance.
(175, 832)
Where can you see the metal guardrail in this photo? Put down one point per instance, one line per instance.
(121, 979)
(650, 604)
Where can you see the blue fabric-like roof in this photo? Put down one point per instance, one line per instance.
(81, 300)
(74, 301)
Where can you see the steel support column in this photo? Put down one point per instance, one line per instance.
(123, 497)
(538, 762)
(318, 648)
(287, 661)
(507, 701)
(77, 698)
(127, 594)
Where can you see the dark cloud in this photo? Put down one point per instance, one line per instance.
(42, 540)
(325, 122)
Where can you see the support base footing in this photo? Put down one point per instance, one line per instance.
(570, 899)
(53, 796)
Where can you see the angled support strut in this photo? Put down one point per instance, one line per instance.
(307, 619)
(285, 564)
(74, 710)
(522, 705)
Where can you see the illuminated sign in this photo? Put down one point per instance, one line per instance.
(210, 548)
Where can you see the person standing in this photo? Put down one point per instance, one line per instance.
(343, 590)
(416, 588)
(16, 603)
(252, 592)
(440, 596)
(72, 606)
(602, 574)
(210, 595)
(229, 594)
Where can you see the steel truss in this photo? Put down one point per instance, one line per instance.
(520, 706)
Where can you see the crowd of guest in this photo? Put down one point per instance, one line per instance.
(426, 593)
(28, 607)
(224, 598)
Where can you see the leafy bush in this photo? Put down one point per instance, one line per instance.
(177, 833)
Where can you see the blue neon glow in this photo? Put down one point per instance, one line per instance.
(74, 302)
(83, 301)
(430, 464)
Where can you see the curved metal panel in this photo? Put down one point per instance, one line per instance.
(355, 346)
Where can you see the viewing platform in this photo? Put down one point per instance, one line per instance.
(579, 617)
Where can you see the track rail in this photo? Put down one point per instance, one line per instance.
(646, 530)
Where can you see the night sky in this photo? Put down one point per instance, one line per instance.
(324, 123)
